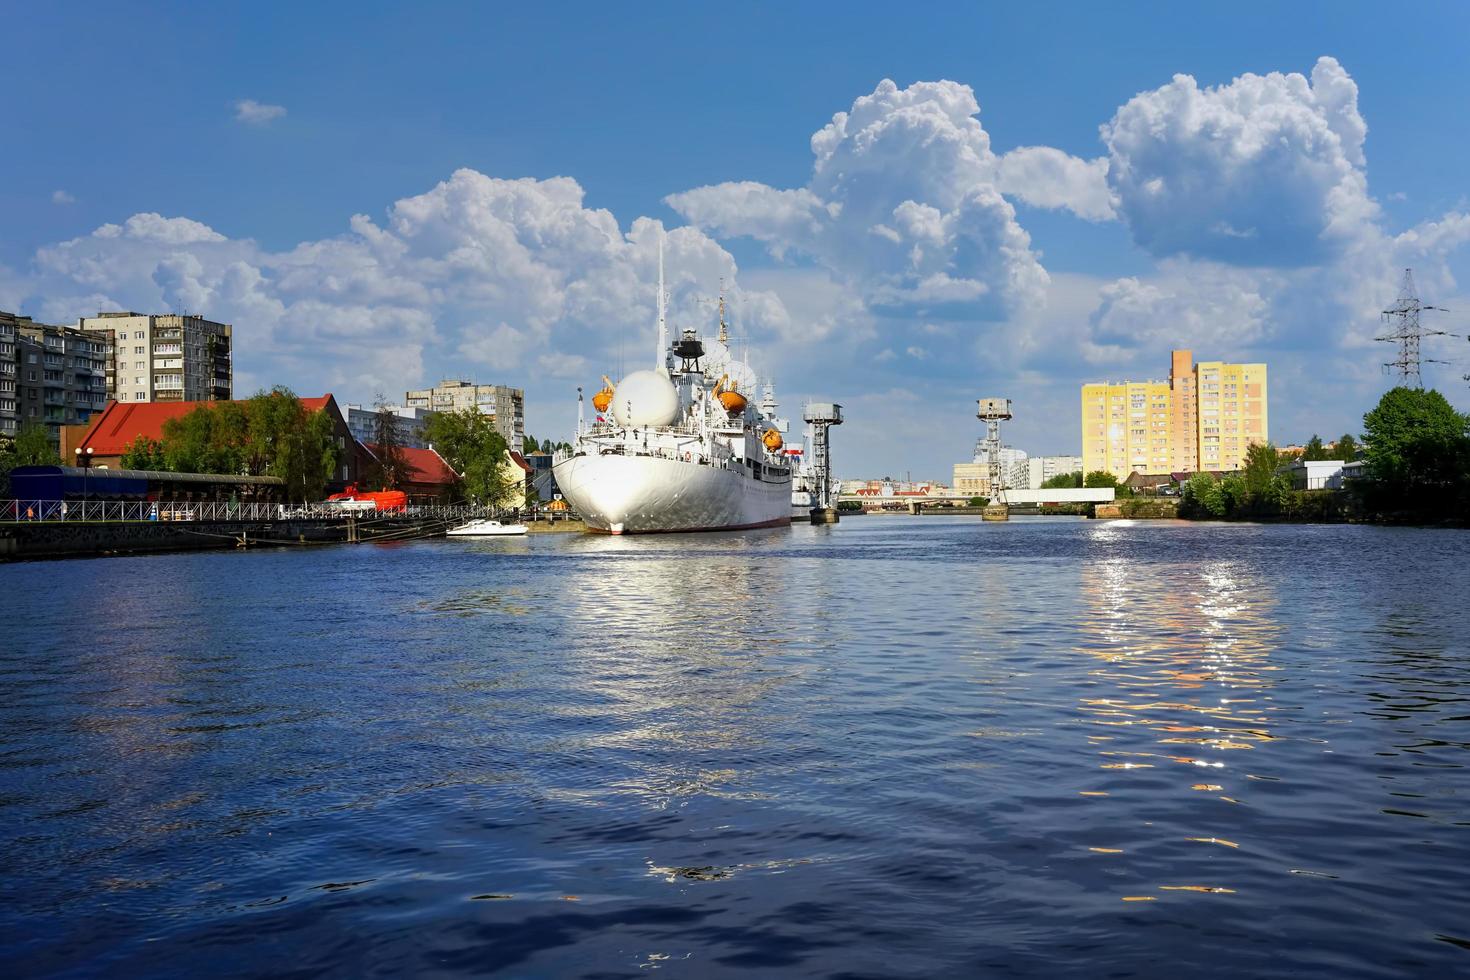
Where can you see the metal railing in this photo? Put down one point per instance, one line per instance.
(15, 511)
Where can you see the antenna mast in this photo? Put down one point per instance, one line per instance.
(1403, 318)
(663, 329)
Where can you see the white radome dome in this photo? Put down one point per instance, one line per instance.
(645, 398)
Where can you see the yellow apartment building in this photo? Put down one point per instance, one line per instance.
(1202, 418)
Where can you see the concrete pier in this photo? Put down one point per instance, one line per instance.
(824, 515)
(996, 512)
(59, 539)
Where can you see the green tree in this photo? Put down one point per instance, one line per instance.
(305, 456)
(1201, 497)
(1261, 461)
(468, 442)
(270, 418)
(30, 447)
(144, 454)
(1314, 450)
(1418, 447)
(1099, 479)
(1347, 449)
(1063, 481)
(978, 501)
(205, 440)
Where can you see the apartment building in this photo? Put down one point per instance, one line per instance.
(9, 375)
(506, 407)
(165, 357)
(1204, 417)
(1039, 469)
(973, 478)
(49, 375)
(411, 421)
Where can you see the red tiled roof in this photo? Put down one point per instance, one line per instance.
(114, 429)
(424, 465)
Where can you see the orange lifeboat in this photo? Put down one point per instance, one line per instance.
(603, 398)
(772, 440)
(733, 400)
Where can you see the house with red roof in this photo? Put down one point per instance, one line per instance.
(429, 477)
(109, 433)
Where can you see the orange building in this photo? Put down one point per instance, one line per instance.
(1203, 417)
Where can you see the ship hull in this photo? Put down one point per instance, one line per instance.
(648, 495)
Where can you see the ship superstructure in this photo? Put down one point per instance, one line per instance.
(682, 446)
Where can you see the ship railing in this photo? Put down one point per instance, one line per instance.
(194, 511)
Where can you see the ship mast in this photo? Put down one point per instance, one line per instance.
(661, 357)
(724, 337)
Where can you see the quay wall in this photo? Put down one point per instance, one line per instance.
(20, 541)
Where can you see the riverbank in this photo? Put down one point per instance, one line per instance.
(21, 541)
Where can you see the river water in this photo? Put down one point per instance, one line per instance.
(894, 747)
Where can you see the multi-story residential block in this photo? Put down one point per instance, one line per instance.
(49, 375)
(973, 478)
(411, 421)
(9, 375)
(165, 357)
(1204, 417)
(505, 406)
(1039, 469)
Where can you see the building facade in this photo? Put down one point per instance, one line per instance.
(1039, 469)
(165, 357)
(52, 376)
(1204, 417)
(506, 407)
(973, 478)
(411, 421)
(9, 375)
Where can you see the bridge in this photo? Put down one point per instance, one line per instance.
(1015, 498)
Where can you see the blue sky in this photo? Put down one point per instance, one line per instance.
(1269, 240)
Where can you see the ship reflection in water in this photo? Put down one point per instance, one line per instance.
(897, 746)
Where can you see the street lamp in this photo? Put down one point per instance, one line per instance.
(84, 460)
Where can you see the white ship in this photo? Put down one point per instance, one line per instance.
(682, 447)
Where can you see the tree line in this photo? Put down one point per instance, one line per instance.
(269, 434)
(1416, 451)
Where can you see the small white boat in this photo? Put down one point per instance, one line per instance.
(485, 529)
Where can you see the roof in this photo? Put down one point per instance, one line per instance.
(115, 428)
(520, 461)
(424, 465)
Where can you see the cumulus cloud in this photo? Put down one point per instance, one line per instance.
(62, 197)
(255, 113)
(903, 206)
(1267, 170)
(903, 251)
(476, 271)
(1181, 308)
(1045, 177)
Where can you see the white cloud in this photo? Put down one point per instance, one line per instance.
(903, 208)
(1045, 177)
(475, 272)
(901, 267)
(1267, 170)
(62, 197)
(255, 113)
